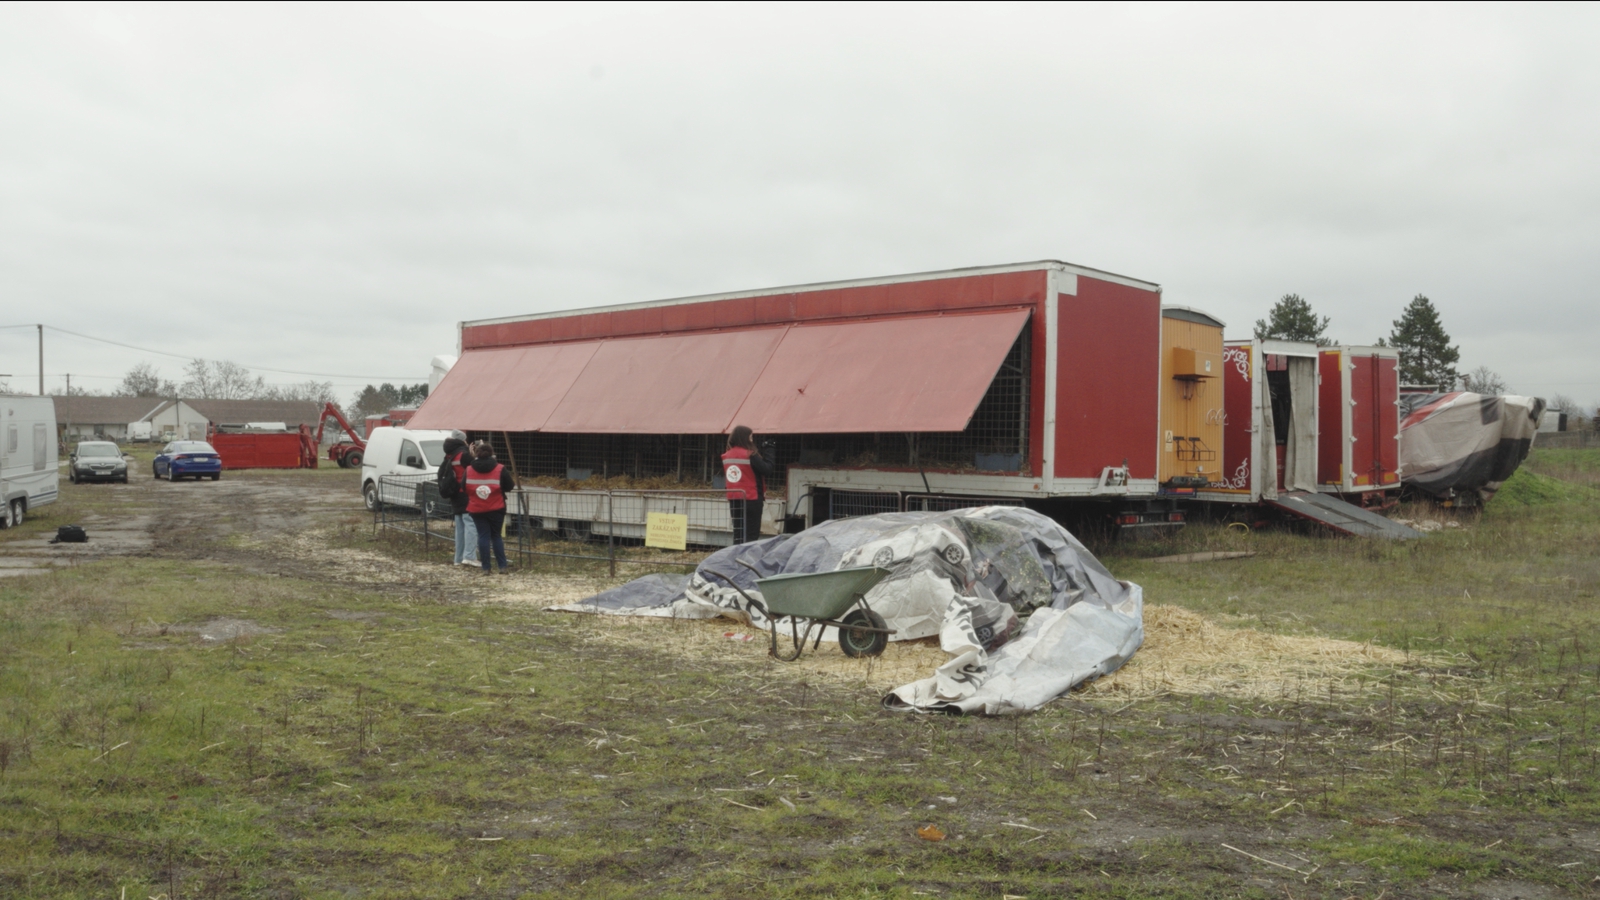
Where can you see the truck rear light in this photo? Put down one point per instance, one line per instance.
(1127, 519)
(1175, 517)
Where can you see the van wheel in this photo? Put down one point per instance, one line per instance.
(370, 495)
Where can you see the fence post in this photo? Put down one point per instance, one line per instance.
(427, 536)
(611, 531)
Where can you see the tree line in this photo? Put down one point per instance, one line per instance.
(1427, 357)
(205, 379)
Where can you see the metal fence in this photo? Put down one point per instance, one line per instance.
(621, 517)
(410, 504)
(848, 504)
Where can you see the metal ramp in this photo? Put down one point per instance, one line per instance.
(1345, 518)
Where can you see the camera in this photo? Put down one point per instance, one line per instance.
(768, 446)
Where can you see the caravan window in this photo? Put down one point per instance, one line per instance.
(40, 441)
(11, 439)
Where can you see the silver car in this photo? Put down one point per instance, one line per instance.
(97, 461)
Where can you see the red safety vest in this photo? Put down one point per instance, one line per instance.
(483, 490)
(458, 466)
(740, 474)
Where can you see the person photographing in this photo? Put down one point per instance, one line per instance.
(486, 483)
(457, 456)
(745, 470)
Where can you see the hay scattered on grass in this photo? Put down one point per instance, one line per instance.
(1183, 653)
(1186, 653)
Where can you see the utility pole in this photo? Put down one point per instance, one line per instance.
(41, 360)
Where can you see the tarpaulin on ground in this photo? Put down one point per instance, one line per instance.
(1023, 609)
(1461, 446)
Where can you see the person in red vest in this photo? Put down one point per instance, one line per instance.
(486, 483)
(457, 456)
(745, 470)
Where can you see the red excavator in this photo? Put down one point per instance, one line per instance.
(348, 451)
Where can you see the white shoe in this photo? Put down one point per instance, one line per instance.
(467, 562)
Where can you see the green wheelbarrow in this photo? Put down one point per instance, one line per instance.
(824, 599)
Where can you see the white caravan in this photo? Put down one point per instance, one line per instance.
(29, 474)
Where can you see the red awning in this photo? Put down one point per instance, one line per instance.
(505, 389)
(914, 374)
(667, 384)
(920, 373)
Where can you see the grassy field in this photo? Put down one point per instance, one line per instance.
(215, 718)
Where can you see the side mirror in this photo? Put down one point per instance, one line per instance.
(413, 462)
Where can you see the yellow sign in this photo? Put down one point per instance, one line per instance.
(669, 531)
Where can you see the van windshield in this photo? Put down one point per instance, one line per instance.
(433, 451)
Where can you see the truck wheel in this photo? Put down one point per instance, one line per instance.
(352, 460)
(370, 495)
(343, 463)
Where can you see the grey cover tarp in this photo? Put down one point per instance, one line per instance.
(1462, 444)
(1023, 609)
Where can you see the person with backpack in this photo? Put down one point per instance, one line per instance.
(486, 483)
(456, 458)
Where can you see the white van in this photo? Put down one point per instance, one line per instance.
(29, 473)
(397, 462)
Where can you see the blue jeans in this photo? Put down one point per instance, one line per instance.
(466, 539)
(489, 525)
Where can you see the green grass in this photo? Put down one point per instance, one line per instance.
(369, 742)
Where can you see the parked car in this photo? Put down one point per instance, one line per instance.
(399, 467)
(187, 459)
(97, 461)
(29, 477)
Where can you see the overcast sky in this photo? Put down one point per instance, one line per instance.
(330, 189)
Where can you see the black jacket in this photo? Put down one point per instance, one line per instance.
(449, 487)
(764, 470)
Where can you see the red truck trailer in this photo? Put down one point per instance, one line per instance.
(1035, 383)
(1358, 447)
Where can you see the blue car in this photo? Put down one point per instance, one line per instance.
(187, 459)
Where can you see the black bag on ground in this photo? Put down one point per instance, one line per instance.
(70, 534)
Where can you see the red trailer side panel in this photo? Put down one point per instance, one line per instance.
(927, 295)
(505, 389)
(1330, 418)
(1374, 420)
(1238, 439)
(1108, 368)
(666, 384)
(258, 451)
(922, 373)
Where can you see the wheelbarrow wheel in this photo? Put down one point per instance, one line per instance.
(858, 642)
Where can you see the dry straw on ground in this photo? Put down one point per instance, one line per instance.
(1183, 653)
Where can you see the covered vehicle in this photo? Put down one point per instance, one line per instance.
(97, 461)
(187, 459)
(1024, 611)
(1460, 447)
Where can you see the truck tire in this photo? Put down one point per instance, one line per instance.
(352, 460)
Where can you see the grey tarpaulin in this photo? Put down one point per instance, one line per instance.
(1023, 609)
(1462, 446)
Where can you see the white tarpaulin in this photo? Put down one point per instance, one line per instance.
(1462, 446)
(1022, 608)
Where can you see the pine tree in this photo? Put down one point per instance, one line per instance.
(1426, 355)
(1291, 319)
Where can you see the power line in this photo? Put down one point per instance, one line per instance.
(90, 337)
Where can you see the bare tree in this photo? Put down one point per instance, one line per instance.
(1484, 380)
(221, 380)
(144, 381)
